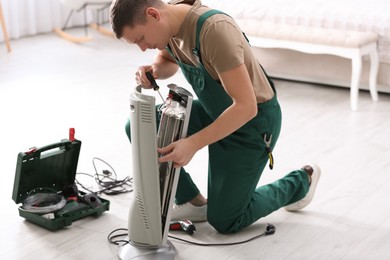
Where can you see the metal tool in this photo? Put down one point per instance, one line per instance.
(153, 82)
(269, 150)
(184, 225)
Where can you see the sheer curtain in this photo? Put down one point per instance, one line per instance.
(30, 17)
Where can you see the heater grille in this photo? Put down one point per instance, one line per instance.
(141, 207)
(146, 113)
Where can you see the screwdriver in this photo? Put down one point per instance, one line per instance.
(153, 82)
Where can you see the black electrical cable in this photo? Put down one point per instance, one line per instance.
(218, 244)
(269, 231)
(107, 181)
(117, 242)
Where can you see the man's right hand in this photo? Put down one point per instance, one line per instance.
(140, 75)
(163, 67)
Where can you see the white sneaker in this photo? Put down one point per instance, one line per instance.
(300, 204)
(187, 211)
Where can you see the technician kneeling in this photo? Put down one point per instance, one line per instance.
(237, 114)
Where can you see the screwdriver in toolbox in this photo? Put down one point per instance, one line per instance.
(154, 84)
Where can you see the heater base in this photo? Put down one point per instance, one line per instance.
(130, 251)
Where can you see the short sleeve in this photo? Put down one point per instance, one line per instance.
(222, 45)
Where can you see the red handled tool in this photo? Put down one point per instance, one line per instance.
(184, 225)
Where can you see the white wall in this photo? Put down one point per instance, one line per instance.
(30, 17)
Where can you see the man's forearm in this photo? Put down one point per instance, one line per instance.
(165, 68)
(238, 86)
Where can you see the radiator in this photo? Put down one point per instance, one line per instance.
(154, 183)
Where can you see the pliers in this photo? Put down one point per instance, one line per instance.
(269, 150)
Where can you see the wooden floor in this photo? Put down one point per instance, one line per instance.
(48, 85)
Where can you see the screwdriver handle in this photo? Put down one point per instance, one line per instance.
(152, 80)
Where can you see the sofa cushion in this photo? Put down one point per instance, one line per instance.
(333, 37)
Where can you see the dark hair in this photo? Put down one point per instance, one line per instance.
(129, 13)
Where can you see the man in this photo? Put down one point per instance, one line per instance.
(237, 114)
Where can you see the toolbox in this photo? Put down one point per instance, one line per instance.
(49, 172)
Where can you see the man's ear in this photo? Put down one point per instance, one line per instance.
(153, 13)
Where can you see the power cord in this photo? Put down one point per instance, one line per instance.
(270, 230)
(111, 236)
(107, 180)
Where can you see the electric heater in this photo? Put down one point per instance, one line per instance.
(154, 183)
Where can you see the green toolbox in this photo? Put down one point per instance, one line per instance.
(45, 186)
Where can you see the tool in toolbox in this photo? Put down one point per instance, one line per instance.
(45, 186)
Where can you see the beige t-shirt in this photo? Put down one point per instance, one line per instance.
(222, 46)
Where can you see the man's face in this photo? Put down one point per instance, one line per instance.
(150, 35)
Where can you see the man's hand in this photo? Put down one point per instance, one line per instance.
(163, 67)
(140, 75)
(179, 152)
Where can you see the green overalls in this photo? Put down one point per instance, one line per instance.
(236, 161)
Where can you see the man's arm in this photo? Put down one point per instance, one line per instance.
(165, 64)
(239, 87)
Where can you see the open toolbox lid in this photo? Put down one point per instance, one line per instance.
(53, 167)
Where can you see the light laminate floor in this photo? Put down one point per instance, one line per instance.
(48, 85)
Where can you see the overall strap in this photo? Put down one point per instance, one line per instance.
(196, 50)
(168, 48)
(199, 25)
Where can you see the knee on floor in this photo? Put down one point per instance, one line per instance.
(223, 226)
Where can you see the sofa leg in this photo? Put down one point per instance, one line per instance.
(356, 71)
(374, 67)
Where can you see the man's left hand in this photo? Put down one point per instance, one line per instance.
(179, 152)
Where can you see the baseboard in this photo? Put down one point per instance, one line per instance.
(329, 82)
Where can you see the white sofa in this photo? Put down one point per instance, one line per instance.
(351, 15)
